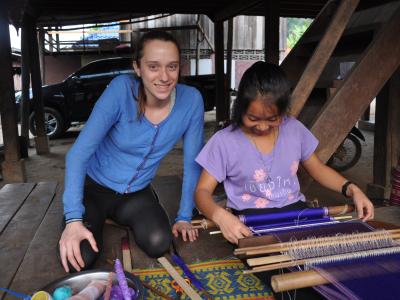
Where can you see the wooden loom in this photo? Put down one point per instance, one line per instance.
(266, 253)
(278, 255)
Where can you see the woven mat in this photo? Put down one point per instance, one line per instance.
(223, 279)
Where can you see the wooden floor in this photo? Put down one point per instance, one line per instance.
(30, 226)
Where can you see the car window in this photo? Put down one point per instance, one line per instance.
(105, 68)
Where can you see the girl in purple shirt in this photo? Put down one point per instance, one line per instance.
(258, 155)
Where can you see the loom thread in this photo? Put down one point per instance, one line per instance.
(348, 243)
(349, 256)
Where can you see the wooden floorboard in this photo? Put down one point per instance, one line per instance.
(20, 231)
(41, 264)
(12, 196)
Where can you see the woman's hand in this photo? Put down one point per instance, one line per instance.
(364, 207)
(185, 228)
(231, 227)
(70, 242)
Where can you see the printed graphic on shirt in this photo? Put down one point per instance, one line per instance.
(246, 197)
(261, 193)
(259, 175)
(261, 203)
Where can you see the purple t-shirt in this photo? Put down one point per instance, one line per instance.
(255, 180)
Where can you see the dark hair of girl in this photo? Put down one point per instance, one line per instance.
(261, 79)
(149, 36)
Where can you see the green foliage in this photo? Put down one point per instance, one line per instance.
(295, 29)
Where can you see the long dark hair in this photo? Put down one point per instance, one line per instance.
(149, 36)
(261, 79)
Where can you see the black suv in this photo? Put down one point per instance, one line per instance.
(72, 100)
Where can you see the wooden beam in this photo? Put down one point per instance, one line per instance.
(220, 99)
(321, 55)
(271, 32)
(12, 196)
(40, 37)
(197, 44)
(295, 62)
(13, 168)
(26, 82)
(236, 8)
(386, 138)
(41, 140)
(363, 83)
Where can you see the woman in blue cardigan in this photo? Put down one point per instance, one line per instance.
(133, 125)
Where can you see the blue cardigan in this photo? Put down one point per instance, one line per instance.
(122, 152)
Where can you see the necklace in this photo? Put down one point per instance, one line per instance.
(268, 169)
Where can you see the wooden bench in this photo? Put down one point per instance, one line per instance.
(23, 207)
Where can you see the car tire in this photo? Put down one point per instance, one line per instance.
(54, 123)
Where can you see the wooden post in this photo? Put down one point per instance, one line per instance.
(41, 140)
(271, 32)
(197, 45)
(50, 36)
(229, 44)
(222, 112)
(40, 36)
(386, 138)
(26, 81)
(57, 40)
(13, 167)
(282, 36)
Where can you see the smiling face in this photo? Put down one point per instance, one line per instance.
(260, 118)
(159, 69)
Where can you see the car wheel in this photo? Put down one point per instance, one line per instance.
(53, 120)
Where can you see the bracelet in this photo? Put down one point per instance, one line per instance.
(344, 188)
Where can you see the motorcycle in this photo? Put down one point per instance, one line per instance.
(349, 151)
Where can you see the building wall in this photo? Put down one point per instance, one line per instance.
(248, 45)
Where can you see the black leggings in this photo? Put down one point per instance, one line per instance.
(141, 211)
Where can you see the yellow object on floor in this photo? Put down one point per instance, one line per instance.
(41, 295)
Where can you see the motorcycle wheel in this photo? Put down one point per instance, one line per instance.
(346, 155)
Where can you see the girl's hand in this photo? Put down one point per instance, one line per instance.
(70, 242)
(231, 227)
(185, 228)
(364, 207)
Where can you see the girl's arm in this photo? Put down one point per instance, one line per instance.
(231, 227)
(331, 179)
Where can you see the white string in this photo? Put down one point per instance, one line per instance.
(349, 256)
(341, 243)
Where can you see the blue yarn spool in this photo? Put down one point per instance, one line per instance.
(62, 293)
